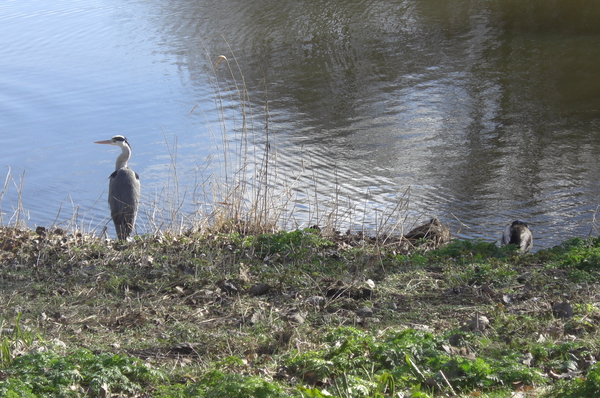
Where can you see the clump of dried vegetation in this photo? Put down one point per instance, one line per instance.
(224, 303)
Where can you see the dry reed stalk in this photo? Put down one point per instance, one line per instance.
(19, 214)
(245, 178)
(4, 189)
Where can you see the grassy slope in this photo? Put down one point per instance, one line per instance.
(293, 314)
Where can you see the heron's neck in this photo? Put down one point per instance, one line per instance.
(123, 157)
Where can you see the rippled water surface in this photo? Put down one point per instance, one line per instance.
(478, 113)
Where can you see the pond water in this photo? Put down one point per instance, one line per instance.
(475, 112)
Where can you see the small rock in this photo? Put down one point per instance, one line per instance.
(453, 291)
(562, 310)
(254, 318)
(251, 318)
(184, 348)
(179, 290)
(259, 290)
(316, 300)
(461, 351)
(228, 286)
(527, 359)
(364, 312)
(478, 323)
(295, 318)
(486, 289)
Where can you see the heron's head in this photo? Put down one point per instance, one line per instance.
(117, 140)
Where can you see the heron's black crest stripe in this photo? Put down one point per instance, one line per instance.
(122, 139)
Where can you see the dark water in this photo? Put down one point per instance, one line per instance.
(477, 112)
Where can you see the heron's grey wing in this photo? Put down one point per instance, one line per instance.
(123, 199)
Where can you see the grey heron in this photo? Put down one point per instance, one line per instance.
(123, 189)
(518, 233)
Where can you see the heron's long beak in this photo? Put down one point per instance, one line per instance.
(108, 142)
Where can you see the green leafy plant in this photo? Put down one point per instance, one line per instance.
(47, 373)
(216, 384)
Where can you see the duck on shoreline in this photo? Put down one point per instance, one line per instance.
(433, 231)
(518, 233)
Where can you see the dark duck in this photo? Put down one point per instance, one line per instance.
(518, 233)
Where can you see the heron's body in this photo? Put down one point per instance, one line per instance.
(518, 233)
(123, 190)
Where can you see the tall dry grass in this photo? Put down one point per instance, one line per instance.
(240, 186)
(17, 216)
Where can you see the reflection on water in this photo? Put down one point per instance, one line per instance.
(481, 112)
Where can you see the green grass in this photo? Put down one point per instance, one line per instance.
(83, 317)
